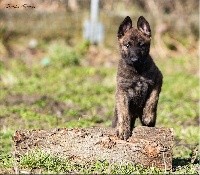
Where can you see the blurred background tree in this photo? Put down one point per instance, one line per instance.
(175, 24)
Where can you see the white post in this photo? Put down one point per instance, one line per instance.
(94, 11)
(93, 29)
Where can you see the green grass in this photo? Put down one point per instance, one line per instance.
(70, 95)
(46, 163)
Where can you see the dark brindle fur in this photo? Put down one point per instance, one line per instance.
(139, 80)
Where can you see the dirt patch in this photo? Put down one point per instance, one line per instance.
(43, 104)
(195, 122)
(19, 99)
(53, 106)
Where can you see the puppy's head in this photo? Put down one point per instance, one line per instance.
(134, 42)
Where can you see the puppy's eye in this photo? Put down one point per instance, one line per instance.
(127, 45)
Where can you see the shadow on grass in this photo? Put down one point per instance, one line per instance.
(179, 162)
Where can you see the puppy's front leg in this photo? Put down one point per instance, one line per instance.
(123, 115)
(149, 112)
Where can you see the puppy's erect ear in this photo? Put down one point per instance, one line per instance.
(124, 27)
(144, 26)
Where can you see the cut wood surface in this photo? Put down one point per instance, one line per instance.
(148, 146)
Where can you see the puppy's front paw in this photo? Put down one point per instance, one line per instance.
(149, 120)
(124, 133)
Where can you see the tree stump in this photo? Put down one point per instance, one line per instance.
(148, 146)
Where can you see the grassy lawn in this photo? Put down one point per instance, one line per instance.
(59, 92)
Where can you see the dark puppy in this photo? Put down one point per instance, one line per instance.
(139, 80)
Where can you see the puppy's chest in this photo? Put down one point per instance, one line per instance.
(136, 88)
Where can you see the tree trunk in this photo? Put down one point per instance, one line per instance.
(148, 146)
